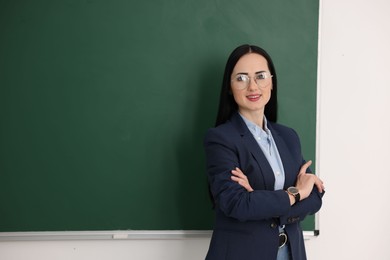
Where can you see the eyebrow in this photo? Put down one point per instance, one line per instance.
(246, 73)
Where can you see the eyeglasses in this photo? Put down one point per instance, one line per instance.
(242, 81)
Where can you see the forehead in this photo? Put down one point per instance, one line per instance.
(251, 62)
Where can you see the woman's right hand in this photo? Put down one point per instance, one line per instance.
(306, 182)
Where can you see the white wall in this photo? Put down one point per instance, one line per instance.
(353, 148)
(190, 249)
(354, 130)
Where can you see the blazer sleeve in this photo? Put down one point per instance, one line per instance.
(300, 210)
(223, 155)
(311, 204)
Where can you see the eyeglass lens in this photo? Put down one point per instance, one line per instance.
(261, 79)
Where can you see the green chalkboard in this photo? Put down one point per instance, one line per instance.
(104, 105)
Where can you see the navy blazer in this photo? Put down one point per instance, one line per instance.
(246, 223)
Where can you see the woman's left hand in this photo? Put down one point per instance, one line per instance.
(239, 177)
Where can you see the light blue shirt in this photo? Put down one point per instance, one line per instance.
(267, 144)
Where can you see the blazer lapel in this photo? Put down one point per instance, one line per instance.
(254, 148)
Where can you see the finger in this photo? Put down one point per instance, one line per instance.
(240, 181)
(236, 173)
(304, 167)
(322, 187)
(319, 185)
(239, 173)
(234, 178)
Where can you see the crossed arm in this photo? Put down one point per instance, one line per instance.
(305, 182)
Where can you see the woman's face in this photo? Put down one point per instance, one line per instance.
(249, 95)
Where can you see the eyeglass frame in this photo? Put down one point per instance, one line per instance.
(248, 82)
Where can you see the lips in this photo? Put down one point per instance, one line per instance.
(253, 98)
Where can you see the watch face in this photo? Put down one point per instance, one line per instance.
(293, 190)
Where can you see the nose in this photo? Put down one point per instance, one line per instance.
(252, 85)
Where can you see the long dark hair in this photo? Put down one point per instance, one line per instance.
(227, 104)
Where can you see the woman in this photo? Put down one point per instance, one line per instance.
(256, 172)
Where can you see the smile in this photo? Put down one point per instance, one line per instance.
(253, 97)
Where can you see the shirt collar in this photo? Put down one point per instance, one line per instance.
(255, 129)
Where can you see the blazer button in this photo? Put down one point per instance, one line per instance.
(273, 225)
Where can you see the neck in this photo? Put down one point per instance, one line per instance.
(256, 117)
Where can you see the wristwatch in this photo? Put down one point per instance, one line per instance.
(295, 192)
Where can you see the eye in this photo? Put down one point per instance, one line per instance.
(242, 78)
(261, 75)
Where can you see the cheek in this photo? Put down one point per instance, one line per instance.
(239, 97)
(235, 94)
(269, 96)
(269, 91)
